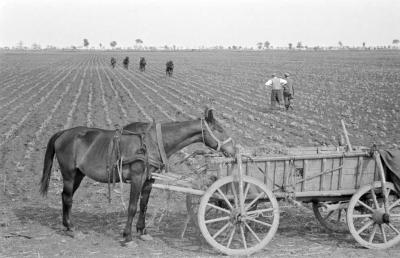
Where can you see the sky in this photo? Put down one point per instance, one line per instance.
(192, 24)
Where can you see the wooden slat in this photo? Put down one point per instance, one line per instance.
(305, 168)
(331, 182)
(274, 175)
(286, 173)
(359, 174)
(296, 157)
(321, 179)
(265, 173)
(340, 179)
(270, 175)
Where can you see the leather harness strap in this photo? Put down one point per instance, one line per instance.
(161, 148)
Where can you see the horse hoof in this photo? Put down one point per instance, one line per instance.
(69, 233)
(146, 237)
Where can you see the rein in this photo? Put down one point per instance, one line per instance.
(219, 143)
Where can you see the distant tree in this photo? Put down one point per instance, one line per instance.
(113, 44)
(259, 45)
(299, 45)
(166, 47)
(290, 45)
(86, 43)
(267, 44)
(363, 44)
(36, 46)
(20, 44)
(100, 45)
(138, 44)
(340, 44)
(396, 42)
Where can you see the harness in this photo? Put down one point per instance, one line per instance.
(115, 159)
(219, 143)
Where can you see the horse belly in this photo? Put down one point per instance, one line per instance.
(101, 174)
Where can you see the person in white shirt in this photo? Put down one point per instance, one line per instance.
(277, 90)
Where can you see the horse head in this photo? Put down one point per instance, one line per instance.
(215, 136)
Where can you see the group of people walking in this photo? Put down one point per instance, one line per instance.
(282, 91)
(169, 66)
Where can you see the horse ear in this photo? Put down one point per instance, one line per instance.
(209, 116)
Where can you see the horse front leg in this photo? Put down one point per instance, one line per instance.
(137, 179)
(144, 199)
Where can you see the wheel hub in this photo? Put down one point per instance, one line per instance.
(236, 217)
(380, 217)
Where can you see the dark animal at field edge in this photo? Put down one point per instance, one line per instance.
(83, 151)
(142, 64)
(169, 68)
(125, 62)
(113, 62)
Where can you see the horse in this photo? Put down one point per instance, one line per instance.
(144, 148)
(113, 62)
(169, 68)
(142, 64)
(125, 62)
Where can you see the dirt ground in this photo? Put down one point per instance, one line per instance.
(76, 89)
(31, 227)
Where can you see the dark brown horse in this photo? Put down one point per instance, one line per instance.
(144, 149)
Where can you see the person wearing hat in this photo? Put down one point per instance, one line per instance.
(288, 91)
(277, 91)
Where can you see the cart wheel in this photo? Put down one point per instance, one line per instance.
(229, 230)
(367, 220)
(333, 220)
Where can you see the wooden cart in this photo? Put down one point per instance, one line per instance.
(239, 213)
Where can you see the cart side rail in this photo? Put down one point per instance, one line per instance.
(331, 172)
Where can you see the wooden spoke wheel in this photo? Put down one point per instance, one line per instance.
(333, 219)
(367, 219)
(234, 228)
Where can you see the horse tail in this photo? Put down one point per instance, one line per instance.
(48, 163)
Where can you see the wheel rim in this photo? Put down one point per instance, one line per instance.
(333, 220)
(229, 230)
(368, 222)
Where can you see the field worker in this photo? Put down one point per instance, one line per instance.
(277, 90)
(288, 91)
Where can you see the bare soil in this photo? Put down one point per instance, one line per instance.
(331, 86)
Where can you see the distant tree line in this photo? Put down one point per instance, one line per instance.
(266, 45)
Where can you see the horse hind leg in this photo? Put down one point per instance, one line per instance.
(144, 199)
(137, 178)
(71, 181)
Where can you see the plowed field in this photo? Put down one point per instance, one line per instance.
(41, 93)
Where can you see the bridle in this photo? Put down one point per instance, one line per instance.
(220, 143)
